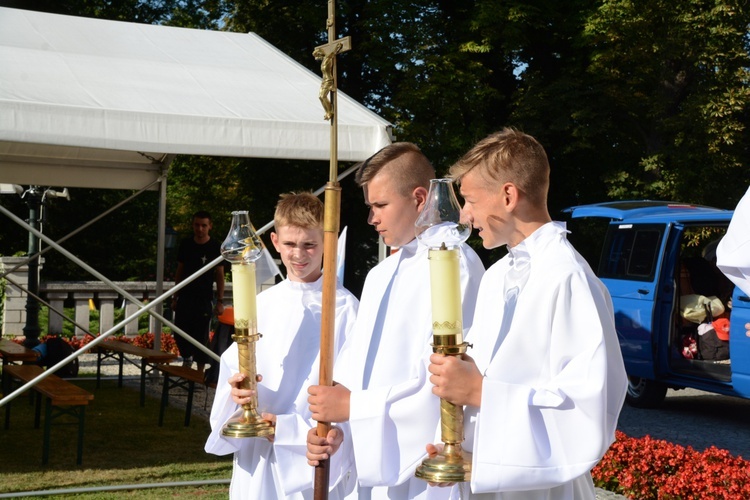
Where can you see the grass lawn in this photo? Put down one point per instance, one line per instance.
(122, 445)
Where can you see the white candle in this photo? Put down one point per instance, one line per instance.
(445, 287)
(243, 293)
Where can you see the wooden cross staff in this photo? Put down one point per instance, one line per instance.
(327, 55)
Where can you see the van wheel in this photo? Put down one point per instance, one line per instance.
(644, 393)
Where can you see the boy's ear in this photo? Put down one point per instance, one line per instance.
(510, 194)
(275, 240)
(420, 196)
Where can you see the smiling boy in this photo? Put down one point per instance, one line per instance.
(289, 316)
(547, 381)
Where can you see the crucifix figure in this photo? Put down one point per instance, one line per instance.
(327, 55)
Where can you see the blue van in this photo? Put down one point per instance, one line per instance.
(657, 258)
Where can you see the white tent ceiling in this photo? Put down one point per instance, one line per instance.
(94, 103)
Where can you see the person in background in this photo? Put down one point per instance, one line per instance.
(194, 305)
(287, 361)
(546, 383)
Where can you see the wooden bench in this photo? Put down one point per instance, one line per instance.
(62, 398)
(184, 378)
(115, 349)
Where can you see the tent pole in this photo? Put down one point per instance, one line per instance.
(161, 232)
(331, 220)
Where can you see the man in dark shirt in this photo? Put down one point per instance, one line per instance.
(193, 307)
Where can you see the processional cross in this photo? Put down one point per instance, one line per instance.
(327, 55)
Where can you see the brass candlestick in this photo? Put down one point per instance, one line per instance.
(242, 247)
(440, 228)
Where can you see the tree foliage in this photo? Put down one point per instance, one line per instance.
(675, 79)
(631, 98)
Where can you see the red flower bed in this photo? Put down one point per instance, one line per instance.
(647, 468)
(147, 340)
(143, 340)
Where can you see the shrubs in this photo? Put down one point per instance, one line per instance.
(142, 340)
(147, 340)
(647, 468)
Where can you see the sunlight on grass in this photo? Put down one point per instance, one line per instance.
(123, 444)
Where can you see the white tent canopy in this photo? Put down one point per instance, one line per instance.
(94, 103)
(91, 103)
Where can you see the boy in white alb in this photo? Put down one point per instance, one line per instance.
(384, 397)
(287, 359)
(545, 387)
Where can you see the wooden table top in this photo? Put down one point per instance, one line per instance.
(10, 351)
(150, 354)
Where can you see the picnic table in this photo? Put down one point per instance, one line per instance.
(11, 352)
(184, 378)
(115, 349)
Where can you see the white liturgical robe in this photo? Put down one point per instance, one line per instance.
(393, 413)
(554, 380)
(733, 252)
(287, 356)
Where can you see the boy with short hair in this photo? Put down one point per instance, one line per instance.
(383, 395)
(547, 382)
(288, 357)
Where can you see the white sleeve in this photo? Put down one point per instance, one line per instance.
(223, 408)
(733, 252)
(390, 427)
(290, 448)
(290, 440)
(548, 431)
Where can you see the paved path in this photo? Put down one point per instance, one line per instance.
(694, 418)
(202, 397)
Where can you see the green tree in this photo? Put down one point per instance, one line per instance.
(673, 77)
(631, 98)
(206, 14)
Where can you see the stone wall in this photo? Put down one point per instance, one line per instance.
(14, 306)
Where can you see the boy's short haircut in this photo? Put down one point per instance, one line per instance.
(202, 214)
(404, 162)
(508, 156)
(302, 209)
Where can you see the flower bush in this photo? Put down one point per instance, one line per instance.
(647, 468)
(147, 340)
(141, 340)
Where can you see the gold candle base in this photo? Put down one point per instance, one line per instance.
(248, 424)
(452, 465)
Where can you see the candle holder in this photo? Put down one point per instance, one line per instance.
(440, 228)
(242, 247)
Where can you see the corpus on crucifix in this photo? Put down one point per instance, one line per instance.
(327, 55)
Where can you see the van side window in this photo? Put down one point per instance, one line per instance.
(631, 252)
